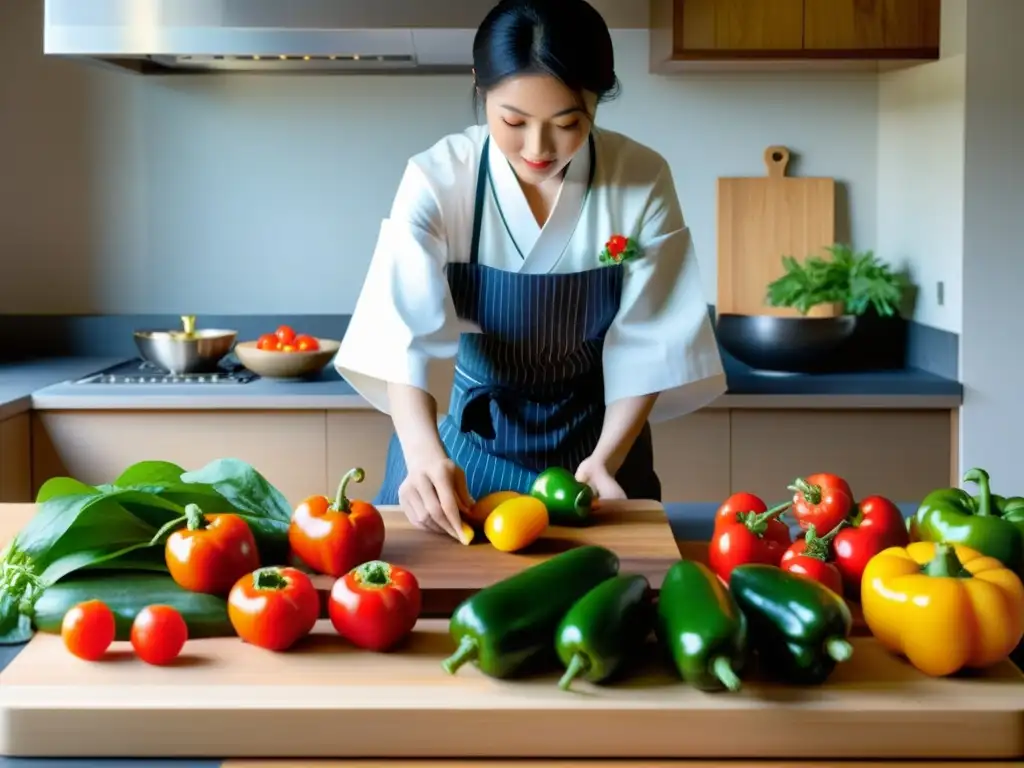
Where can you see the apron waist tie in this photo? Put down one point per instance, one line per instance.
(476, 409)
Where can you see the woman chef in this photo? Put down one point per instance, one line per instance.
(551, 260)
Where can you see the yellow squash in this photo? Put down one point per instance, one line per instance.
(516, 523)
(479, 512)
(943, 606)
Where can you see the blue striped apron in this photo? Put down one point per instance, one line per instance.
(528, 392)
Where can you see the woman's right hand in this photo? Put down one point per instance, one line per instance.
(434, 493)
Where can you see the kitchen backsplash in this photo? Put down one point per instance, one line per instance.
(264, 195)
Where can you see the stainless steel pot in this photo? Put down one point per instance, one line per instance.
(188, 350)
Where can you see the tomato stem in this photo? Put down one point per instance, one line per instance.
(945, 564)
(375, 573)
(340, 500)
(269, 578)
(195, 517)
(817, 546)
(812, 493)
(757, 523)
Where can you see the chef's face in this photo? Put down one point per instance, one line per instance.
(538, 123)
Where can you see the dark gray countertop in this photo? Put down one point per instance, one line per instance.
(46, 384)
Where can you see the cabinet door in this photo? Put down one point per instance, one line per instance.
(691, 456)
(876, 25)
(15, 460)
(739, 25)
(286, 447)
(902, 455)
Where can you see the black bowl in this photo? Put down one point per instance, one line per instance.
(789, 344)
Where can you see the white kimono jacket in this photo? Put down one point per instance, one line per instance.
(404, 328)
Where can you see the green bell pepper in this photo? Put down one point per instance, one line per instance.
(798, 626)
(568, 501)
(986, 522)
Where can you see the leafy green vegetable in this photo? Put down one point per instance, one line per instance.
(124, 526)
(857, 281)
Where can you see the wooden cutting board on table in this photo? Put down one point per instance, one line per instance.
(760, 220)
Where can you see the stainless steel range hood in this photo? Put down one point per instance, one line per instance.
(289, 36)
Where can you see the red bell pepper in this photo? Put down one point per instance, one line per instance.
(274, 607)
(739, 503)
(810, 556)
(375, 605)
(876, 525)
(211, 552)
(335, 537)
(821, 500)
(751, 538)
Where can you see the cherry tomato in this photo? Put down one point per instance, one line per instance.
(306, 343)
(88, 629)
(739, 502)
(158, 634)
(796, 562)
(269, 341)
(285, 334)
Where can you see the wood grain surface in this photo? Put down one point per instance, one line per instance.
(328, 699)
(448, 571)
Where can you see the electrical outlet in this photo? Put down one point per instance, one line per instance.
(940, 292)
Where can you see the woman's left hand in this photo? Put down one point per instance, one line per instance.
(594, 473)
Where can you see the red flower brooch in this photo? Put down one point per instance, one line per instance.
(618, 249)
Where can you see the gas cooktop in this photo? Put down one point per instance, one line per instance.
(143, 372)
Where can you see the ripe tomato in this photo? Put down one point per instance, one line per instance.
(375, 605)
(306, 343)
(821, 500)
(88, 629)
(269, 341)
(812, 557)
(285, 334)
(158, 634)
(274, 607)
(739, 502)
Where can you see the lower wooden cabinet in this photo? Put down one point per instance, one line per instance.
(899, 454)
(288, 447)
(15, 459)
(702, 457)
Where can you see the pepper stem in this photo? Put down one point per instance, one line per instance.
(584, 500)
(812, 493)
(839, 648)
(981, 478)
(196, 520)
(721, 667)
(269, 578)
(817, 546)
(340, 500)
(375, 573)
(467, 651)
(757, 522)
(945, 564)
(578, 664)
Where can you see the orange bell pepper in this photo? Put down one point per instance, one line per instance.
(943, 606)
(516, 523)
(335, 537)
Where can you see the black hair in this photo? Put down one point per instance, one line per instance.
(567, 39)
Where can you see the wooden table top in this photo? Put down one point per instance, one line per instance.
(326, 698)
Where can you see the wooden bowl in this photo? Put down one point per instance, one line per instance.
(286, 365)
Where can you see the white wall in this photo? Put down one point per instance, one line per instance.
(921, 173)
(992, 350)
(264, 194)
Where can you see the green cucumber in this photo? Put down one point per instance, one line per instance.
(702, 627)
(508, 627)
(605, 629)
(128, 593)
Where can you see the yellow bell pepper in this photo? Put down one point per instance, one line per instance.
(944, 607)
(478, 513)
(516, 523)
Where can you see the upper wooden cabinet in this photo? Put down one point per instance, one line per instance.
(690, 34)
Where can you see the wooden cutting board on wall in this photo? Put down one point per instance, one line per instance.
(760, 220)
